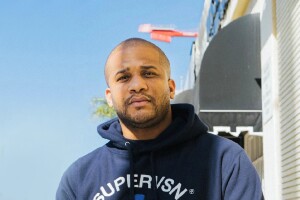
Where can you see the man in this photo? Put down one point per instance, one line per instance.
(156, 150)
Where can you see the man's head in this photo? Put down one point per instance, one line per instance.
(137, 73)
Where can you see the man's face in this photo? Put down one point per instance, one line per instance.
(139, 86)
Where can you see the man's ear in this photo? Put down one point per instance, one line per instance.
(172, 87)
(108, 97)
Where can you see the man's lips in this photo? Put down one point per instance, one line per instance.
(139, 99)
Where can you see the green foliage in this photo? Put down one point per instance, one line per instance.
(102, 109)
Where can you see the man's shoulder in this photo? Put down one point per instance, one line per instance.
(218, 143)
(86, 161)
(77, 171)
(92, 156)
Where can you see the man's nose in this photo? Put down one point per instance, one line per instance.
(137, 84)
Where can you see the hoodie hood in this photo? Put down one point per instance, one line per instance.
(179, 131)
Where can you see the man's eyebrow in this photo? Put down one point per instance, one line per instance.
(148, 67)
(122, 71)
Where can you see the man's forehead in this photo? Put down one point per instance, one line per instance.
(135, 46)
(122, 56)
(123, 50)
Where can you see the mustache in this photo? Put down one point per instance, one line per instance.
(141, 95)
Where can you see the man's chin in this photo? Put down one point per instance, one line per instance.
(141, 120)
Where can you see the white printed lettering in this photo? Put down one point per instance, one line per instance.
(178, 193)
(145, 179)
(135, 180)
(118, 182)
(98, 196)
(168, 185)
(160, 181)
(128, 180)
(141, 181)
(112, 190)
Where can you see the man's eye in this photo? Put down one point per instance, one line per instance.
(123, 78)
(149, 74)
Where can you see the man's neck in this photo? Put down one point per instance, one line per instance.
(146, 133)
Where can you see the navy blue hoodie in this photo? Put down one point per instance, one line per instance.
(184, 162)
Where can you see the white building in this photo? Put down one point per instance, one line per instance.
(275, 150)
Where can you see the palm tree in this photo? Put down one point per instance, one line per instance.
(103, 110)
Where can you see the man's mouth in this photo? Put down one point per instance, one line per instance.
(139, 100)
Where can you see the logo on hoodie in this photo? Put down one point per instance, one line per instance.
(139, 197)
(164, 184)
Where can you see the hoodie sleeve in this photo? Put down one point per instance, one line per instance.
(66, 188)
(241, 180)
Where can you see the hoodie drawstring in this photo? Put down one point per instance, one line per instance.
(129, 148)
(154, 181)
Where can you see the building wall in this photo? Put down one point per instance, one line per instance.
(288, 35)
(275, 153)
(271, 115)
(280, 55)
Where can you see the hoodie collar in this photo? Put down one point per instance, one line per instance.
(185, 126)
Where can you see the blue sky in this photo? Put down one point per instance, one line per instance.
(52, 55)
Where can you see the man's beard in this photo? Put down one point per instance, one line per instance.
(145, 120)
